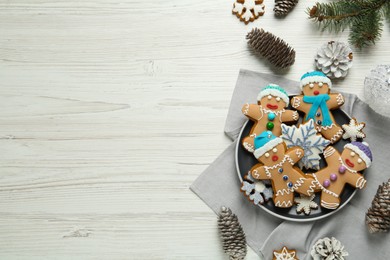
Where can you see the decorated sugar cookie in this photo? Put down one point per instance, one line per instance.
(341, 170)
(285, 254)
(278, 166)
(317, 103)
(268, 114)
(305, 204)
(256, 190)
(306, 137)
(353, 130)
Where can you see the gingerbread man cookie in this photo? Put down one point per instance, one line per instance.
(317, 101)
(278, 166)
(268, 114)
(342, 169)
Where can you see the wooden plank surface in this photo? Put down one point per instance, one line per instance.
(111, 109)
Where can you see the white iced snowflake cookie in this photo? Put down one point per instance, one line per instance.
(285, 254)
(353, 130)
(305, 204)
(305, 136)
(256, 190)
(248, 10)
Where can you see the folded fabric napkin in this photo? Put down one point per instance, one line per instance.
(265, 232)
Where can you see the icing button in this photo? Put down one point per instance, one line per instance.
(333, 177)
(280, 170)
(270, 125)
(318, 114)
(290, 184)
(319, 122)
(271, 116)
(285, 177)
(326, 183)
(342, 169)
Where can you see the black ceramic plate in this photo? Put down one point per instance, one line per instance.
(245, 161)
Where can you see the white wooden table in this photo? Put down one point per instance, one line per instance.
(111, 109)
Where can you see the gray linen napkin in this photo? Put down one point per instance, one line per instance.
(266, 233)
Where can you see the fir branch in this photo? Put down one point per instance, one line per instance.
(364, 17)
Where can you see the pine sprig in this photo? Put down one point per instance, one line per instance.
(364, 17)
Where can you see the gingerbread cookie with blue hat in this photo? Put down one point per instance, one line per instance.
(317, 102)
(277, 165)
(342, 169)
(268, 114)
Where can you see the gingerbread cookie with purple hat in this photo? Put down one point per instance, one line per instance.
(342, 169)
(277, 165)
(317, 102)
(268, 114)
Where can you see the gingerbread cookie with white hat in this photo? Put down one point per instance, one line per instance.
(317, 102)
(342, 169)
(277, 165)
(268, 114)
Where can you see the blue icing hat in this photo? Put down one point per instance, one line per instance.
(315, 76)
(276, 91)
(265, 142)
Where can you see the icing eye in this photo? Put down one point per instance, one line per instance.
(278, 99)
(320, 84)
(353, 154)
(360, 160)
(311, 85)
(274, 150)
(269, 97)
(266, 155)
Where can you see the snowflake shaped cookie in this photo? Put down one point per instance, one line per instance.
(305, 204)
(256, 190)
(312, 143)
(285, 254)
(248, 10)
(353, 130)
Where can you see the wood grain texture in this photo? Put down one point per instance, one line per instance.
(110, 110)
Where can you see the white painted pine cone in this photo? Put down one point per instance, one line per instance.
(334, 59)
(328, 249)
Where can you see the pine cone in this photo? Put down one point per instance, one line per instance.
(334, 59)
(232, 235)
(277, 52)
(378, 216)
(328, 249)
(283, 7)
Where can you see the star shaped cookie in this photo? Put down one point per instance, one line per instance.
(305, 204)
(285, 254)
(353, 130)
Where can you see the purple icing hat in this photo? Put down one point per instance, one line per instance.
(363, 150)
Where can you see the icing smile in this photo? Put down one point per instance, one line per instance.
(270, 106)
(349, 163)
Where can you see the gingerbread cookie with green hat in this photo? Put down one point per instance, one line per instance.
(317, 102)
(268, 114)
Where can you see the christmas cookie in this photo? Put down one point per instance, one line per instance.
(268, 114)
(317, 102)
(353, 130)
(305, 204)
(285, 254)
(248, 10)
(306, 137)
(278, 166)
(256, 190)
(341, 170)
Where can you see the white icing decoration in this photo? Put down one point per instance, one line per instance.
(274, 150)
(250, 9)
(329, 205)
(269, 97)
(296, 185)
(316, 79)
(296, 102)
(359, 160)
(311, 85)
(329, 151)
(306, 137)
(246, 110)
(283, 204)
(353, 130)
(360, 183)
(285, 255)
(298, 153)
(353, 154)
(256, 190)
(295, 115)
(305, 203)
(249, 147)
(340, 99)
(278, 165)
(278, 99)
